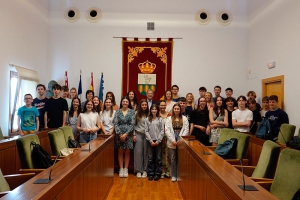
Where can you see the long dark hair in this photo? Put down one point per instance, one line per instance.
(142, 113)
(216, 107)
(111, 108)
(99, 107)
(150, 114)
(113, 99)
(129, 104)
(135, 100)
(86, 102)
(71, 112)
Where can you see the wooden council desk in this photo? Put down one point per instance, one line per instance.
(211, 177)
(81, 175)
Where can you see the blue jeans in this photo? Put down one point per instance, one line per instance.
(173, 153)
(154, 152)
(85, 138)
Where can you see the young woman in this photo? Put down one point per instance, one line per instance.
(97, 104)
(73, 93)
(154, 132)
(190, 105)
(73, 114)
(256, 116)
(218, 118)
(140, 146)
(89, 95)
(209, 100)
(133, 99)
(106, 118)
(199, 122)
(176, 125)
(242, 117)
(111, 96)
(88, 123)
(166, 161)
(124, 122)
(169, 101)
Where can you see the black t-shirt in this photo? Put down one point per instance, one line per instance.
(40, 105)
(200, 118)
(229, 119)
(54, 109)
(256, 118)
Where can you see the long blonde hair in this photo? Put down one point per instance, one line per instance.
(180, 115)
(193, 99)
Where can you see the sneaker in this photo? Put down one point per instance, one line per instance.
(139, 175)
(125, 173)
(144, 175)
(156, 177)
(150, 178)
(174, 179)
(162, 176)
(121, 173)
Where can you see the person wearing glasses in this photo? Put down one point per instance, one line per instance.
(28, 117)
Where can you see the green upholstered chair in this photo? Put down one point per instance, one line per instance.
(57, 141)
(67, 130)
(25, 149)
(267, 162)
(287, 131)
(287, 179)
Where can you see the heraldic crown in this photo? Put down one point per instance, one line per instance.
(147, 67)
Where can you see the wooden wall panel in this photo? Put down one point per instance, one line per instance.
(74, 190)
(214, 192)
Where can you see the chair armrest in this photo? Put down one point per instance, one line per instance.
(237, 161)
(248, 170)
(212, 147)
(261, 179)
(15, 180)
(3, 193)
(36, 171)
(266, 185)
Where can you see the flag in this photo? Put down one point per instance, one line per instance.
(101, 88)
(66, 79)
(80, 86)
(92, 82)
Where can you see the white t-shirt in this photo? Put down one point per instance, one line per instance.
(89, 120)
(106, 120)
(242, 116)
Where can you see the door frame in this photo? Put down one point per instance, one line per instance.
(266, 81)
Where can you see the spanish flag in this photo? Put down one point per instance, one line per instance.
(92, 82)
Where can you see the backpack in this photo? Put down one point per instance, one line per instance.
(40, 158)
(264, 130)
(294, 143)
(227, 149)
(73, 143)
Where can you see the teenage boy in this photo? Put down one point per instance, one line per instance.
(39, 102)
(229, 101)
(217, 91)
(175, 90)
(229, 93)
(28, 117)
(202, 91)
(150, 101)
(275, 115)
(184, 111)
(65, 95)
(242, 117)
(55, 109)
(265, 106)
(256, 115)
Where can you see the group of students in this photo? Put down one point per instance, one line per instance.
(150, 128)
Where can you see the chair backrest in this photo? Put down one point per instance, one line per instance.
(287, 179)
(1, 134)
(3, 183)
(267, 162)
(287, 131)
(243, 141)
(25, 149)
(67, 132)
(299, 133)
(57, 141)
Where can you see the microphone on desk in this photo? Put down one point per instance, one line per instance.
(203, 151)
(46, 181)
(244, 186)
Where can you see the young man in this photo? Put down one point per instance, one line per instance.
(202, 91)
(256, 116)
(39, 102)
(229, 93)
(150, 101)
(55, 109)
(65, 95)
(229, 101)
(175, 90)
(217, 91)
(28, 117)
(265, 106)
(242, 117)
(184, 111)
(275, 115)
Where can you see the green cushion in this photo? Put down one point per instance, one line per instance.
(267, 162)
(25, 149)
(67, 132)
(1, 134)
(287, 131)
(243, 141)
(57, 141)
(299, 133)
(287, 179)
(3, 183)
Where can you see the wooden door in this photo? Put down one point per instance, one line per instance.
(274, 86)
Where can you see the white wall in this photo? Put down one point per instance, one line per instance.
(23, 42)
(206, 56)
(274, 35)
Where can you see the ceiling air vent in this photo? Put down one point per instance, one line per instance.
(150, 26)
